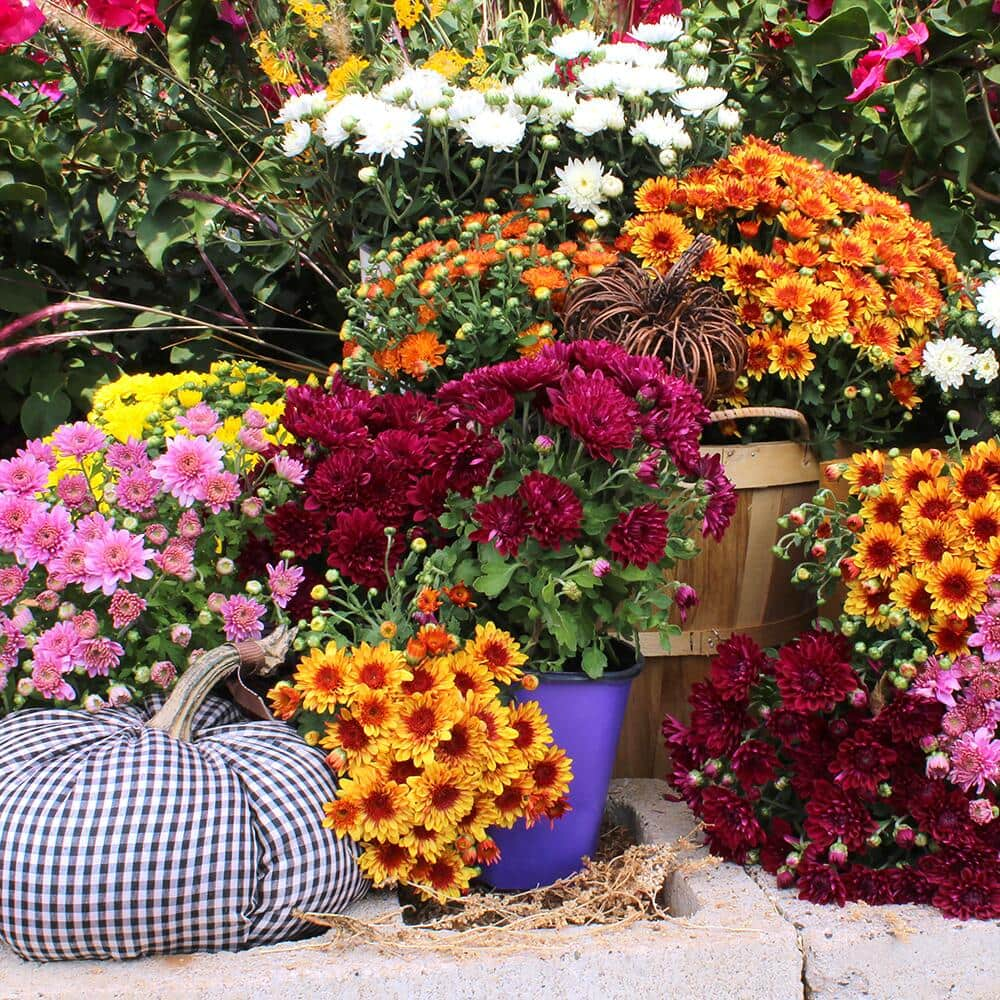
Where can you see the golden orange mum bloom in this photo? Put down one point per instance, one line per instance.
(469, 676)
(790, 356)
(989, 556)
(373, 710)
(532, 728)
(544, 276)
(659, 239)
(533, 339)
(423, 721)
(758, 354)
(957, 586)
(791, 295)
(285, 700)
(909, 593)
(447, 877)
(987, 455)
(865, 468)
(321, 677)
(980, 522)
(886, 508)
(385, 862)
(440, 796)
(498, 652)
(930, 541)
(972, 481)
(916, 467)
(420, 353)
(383, 810)
(460, 596)
(934, 501)
(429, 600)
(340, 816)
(950, 635)
(480, 817)
(465, 750)
(880, 551)
(376, 668)
(656, 194)
(905, 393)
(866, 603)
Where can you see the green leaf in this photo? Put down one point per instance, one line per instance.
(42, 412)
(184, 37)
(930, 108)
(837, 39)
(17, 69)
(817, 142)
(31, 193)
(159, 230)
(495, 580)
(21, 294)
(594, 661)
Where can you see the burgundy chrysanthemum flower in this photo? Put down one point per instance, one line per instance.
(716, 725)
(788, 727)
(426, 497)
(814, 672)
(595, 411)
(356, 545)
(545, 369)
(876, 887)
(730, 823)
(675, 423)
(833, 815)
(722, 498)
(297, 530)
(334, 419)
(948, 821)
(639, 536)
(737, 664)
(774, 851)
(973, 894)
(754, 763)
(339, 481)
(503, 523)
(861, 764)
(820, 883)
(554, 510)
(470, 399)
(909, 717)
(465, 458)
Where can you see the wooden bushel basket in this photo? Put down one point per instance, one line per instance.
(742, 587)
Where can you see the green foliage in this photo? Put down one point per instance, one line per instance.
(925, 134)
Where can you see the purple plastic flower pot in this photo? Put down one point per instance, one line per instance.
(586, 719)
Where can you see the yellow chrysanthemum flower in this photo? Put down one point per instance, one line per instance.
(408, 12)
(344, 77)
(497, 651)
(314, 15)
(440, 796)
(448, 62)
(322, 678)
(275, 69)
(385, 862)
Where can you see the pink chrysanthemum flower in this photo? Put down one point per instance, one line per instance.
(128, 457)
(40, 451)
(100, 656)
(85, 623)
(177, 559)
(44, 536)
(136, 491)
(125, 607)
(987, 634)
(12, 581)
(283, 581)
(79, 439)
(254, 418)
(252, 439)
(157, 534)
(200, 420)
(221, 489)
(73, 490)
(93, 527)
(119, 557)
(15, 513)
(24, 475)
(975, 760)
(180, 635)
(49, 682)
(185, 466)
(189, 526)
(241, 618)
(61, 644)
(11, 642)
(289, 469)
(163, 673)
(71, 563)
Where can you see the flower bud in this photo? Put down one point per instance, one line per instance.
(180, 635)
(837, 853)
(204, 617)
(938, 765)
(253, 587)
(544, 445)
(252, 507)
(224, 566)
(600, 568)
(729, 119)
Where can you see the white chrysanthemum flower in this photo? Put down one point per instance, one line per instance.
(597, 114)
(602, 76)
(667, 29)
(535, 74)
(948, 361)
(662, 81)
(343, 118)
(302, 106)
(580, 184)
(729, 119)
(572, 44)
(466, 104)
(389, 131)
(297, 136)
(558, 106)
(697, 76)
(993, 245)
(331, 129)
(421, 89)
(696, 101)
(662, 131)
(497, 130)
(988, 305)
(986, 368)
(633, 55)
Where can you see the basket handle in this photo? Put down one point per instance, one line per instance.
(759, 412)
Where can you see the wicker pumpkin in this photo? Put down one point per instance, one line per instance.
(194, 830)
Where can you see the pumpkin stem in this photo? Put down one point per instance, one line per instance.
(263, 656)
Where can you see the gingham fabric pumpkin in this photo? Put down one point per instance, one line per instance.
(195, 830)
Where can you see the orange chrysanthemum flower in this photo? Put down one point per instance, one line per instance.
(373, 711)
(980, 522)
(470, 676)
(935, 501)
(950, 635)
(346, 734)
(377, 668)
(532, 728)
(422, 722)
(989, 556)
(867, 602)
(742, 271)
(986, 454)
(498, 652)
(383, 809)
(909, 593)
(447, 877)
(659, 240)
(509, 804)
(533, 339)
(385, 862)
(285, 700)
(656, 194)
(464, 750)
(420, 353)
(905, 393)
(322, 678)
(791, 295)
(865, 468)
(886, 508)
(544, 276)
(427, 845)
(971, 480)
(758, 354)
(880, 551)
(930, 541)
(790, 356)
(440, 796)
(957, 586)
(916, 467)
(479, 818)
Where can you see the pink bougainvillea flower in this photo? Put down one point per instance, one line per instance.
(870, 72)
(818, 10)
(19, 20)
(118, 557)
(241, 618)
(867, 76)
(185, 466)
(134, 16)
(228, 14)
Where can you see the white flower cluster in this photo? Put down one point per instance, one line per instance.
(588, 88)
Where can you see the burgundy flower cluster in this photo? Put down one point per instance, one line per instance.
(843, 786)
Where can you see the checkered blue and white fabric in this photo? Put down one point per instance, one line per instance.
(118, 841)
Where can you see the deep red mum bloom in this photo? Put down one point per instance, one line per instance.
(639, 537)
(465, 458)
(595, 411)
(737, 664)
(716, 725)
(972, 894)
(722, 498)
(730, 823)
(861, 764)
(814, 672)
(331, 419)
(357, 545)
(469, 399)
(820, 883)
(300, 531)
(754, 763)
(833, 815)
(789, 727)
(554, 510)
(339, 482)
(545, 369)
(503, 523)
(909, 717)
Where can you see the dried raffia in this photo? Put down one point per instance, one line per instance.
(690, 326)
(610, 894)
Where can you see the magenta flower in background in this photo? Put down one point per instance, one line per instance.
(118, 557)
(600, 568)
(685, 598)
(79, 440)
(818, 10)
(502, 523)
(975, 760)
(869, 75)
(185, 466)
(127, 457)
(230, 15)
(289, 469)
(200, 420)
(241, 618)
(722, 498)
(44, 536)
(639, 536)
(19, 20)
(221, 489)
(23, 474)
(987, 634)
(49, 681)
(284, 581)
(134, 16)
(595, 411)
(61, 644)
(101, 655)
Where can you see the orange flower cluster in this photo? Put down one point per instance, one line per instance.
(927, 539)
(483, 289)
(429, 756)
(814, 260)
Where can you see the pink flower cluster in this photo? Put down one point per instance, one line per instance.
(869, 75)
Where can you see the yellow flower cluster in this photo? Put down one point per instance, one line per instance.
(448, 62)
(430, 756)
(927, 539)
(408, 12)
(276, 69)
(343, 77)
(314, 15)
